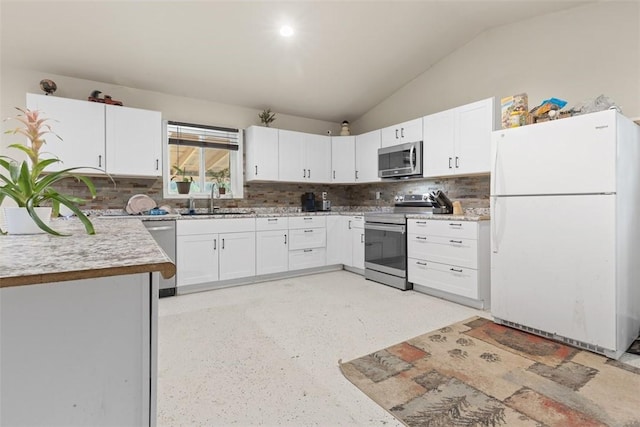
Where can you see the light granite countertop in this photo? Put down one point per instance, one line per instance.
(120, 246)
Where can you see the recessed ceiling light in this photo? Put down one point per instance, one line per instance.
(286, 31)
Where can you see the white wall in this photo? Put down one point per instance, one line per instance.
(574, 55)
(15, 83)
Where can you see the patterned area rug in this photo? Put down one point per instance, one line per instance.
(478, 373)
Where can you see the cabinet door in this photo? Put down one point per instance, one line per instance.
(343, 159)
(272, 251)
(357, 248)
(134, 141)
(318, 158)
(336, 239)
(367, 146)
(237, 255)
(474, 124)
(197, 259)
(80, 124)
(411, 131)
(438, 146)
(291, 156)
(261, 145)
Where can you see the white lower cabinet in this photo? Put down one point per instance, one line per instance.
(308, 242)
(450, 259)
(237, 255)
(357, 242)
(196, 259)
(272, 245)
(345, 241)
(212, 250)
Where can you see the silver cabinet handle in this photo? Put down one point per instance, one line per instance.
(157, 164)
(349, 224)
(402, 132)
(308, 231)
(396, 133)
(457, 162)
(309, 174)
(308, 250)
(304, 173)
(449, 162)
(456, 241)
(421, 222)
(457, 270)
(215, 244)
(357, 175)
(222, 243)
(306, 218)
(99, 160)
(272, 219)
(285, 239)
(421, 263)
(421, 238)
(453, 224)
(361, 237)
(334, 174)
(256, 170)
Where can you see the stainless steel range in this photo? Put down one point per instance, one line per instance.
(385, 237)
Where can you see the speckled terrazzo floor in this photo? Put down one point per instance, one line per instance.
(267, 354)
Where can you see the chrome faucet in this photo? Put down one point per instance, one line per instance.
(212, 208)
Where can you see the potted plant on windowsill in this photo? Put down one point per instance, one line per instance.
(220, 177)
(30, 185)
(184, 185)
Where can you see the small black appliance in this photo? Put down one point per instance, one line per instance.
(308, 202)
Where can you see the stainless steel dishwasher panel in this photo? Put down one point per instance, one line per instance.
(164, 233)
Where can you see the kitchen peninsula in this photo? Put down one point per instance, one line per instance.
(78, 325)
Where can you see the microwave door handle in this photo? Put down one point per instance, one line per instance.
(412, 158)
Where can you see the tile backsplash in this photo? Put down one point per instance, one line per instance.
(473, 192)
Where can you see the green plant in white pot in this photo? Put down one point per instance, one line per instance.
(30, 185)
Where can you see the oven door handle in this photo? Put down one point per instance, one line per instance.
(381, 227)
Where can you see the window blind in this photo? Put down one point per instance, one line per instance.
(203, 136)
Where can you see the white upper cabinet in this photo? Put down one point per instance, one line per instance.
(120, 140)
(304, 157)
(81, 126)
(367, 146)
(458, 141)
(343, 159)
(261, 147)
(410, 131)
(438, 146)
(133, 141)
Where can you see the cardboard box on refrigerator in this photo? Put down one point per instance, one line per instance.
(515, 110)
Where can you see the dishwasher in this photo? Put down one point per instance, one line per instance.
(164, 233)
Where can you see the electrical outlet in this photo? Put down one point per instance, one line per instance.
(378, 195)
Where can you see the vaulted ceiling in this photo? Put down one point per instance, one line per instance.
(344, 58)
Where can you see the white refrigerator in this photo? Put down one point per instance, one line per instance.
(565, 237)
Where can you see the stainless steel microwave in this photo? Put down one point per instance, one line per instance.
(400, 161)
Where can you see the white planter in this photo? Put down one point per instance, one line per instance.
(18, 220)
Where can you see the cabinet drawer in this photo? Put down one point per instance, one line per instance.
(307, 238)
(185, 227)
(307, 221)
(277, 223)
(448, 278)
(356, 222)
(306, 258)
(446, 250)
(434, 227)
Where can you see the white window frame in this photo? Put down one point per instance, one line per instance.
(236, 166)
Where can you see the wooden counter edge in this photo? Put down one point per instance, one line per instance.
(167, 269)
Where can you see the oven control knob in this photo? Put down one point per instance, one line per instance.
(399, 198)
(425, 197)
